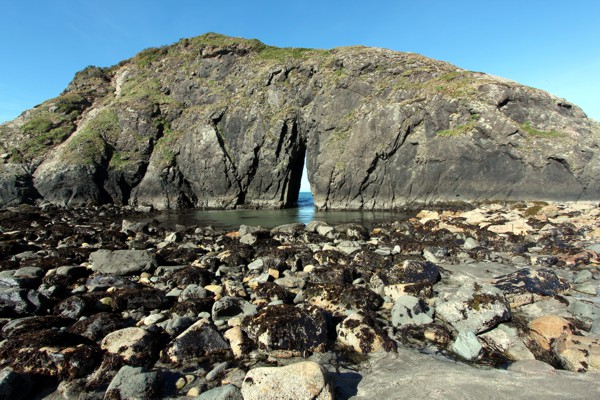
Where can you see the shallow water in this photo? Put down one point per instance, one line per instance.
(304, 213)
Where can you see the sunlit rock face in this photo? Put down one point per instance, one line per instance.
(220, 122)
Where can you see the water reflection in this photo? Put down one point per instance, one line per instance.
(304, 213)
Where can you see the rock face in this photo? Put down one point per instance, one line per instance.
(220, 122)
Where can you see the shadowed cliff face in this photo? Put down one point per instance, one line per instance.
(219, 122)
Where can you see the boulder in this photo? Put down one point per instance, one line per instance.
(13, 385)
(526, 285)
(337, 299)
(286, 327)
(356, 333)
(202, 339)
(225, 392)
(547, 329)
(578, 353)
(466, 345)
(410, 310)
(303, 380)
(475, 308)
(122, 262)
(135, 346)
(133, 383)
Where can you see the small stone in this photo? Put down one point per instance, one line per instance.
(216, 371)
(153, 319)
(470, 244)
(193, 392)
(256, 265)
(303, 380)
(237, 341)
(467, 345)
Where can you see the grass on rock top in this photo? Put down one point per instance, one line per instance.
(89, 146)
(531, 131)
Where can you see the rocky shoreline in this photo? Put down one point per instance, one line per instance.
(105, 303)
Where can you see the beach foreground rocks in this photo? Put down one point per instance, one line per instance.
(352, 312)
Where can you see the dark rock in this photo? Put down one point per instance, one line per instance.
(32, 324)
(523, 286)
(14, 386)
(146, 299)
(286, 327)
(198, 341)
(190, 276)
(272, 291)
(73, 307)
(101, 282)
(16, 301)
(50, 352)
(412, 272)
(99, 325)
(339, 298)
(230, 307)
(336, 274)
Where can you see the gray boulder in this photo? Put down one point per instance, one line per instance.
(122, 262)
(473, 308)
(133, 383)
(410, 310)
(225, 392)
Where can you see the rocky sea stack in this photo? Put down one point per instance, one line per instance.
(221, 122)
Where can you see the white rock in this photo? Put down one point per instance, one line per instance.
(303, 380)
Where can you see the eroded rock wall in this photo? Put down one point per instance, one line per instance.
(218, 122)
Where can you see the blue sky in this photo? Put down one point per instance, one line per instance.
(551, 45)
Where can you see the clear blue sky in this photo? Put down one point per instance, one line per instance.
(552, 45)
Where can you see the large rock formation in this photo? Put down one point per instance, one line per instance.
(220, 122)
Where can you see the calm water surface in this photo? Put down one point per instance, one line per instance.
(304, 213)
